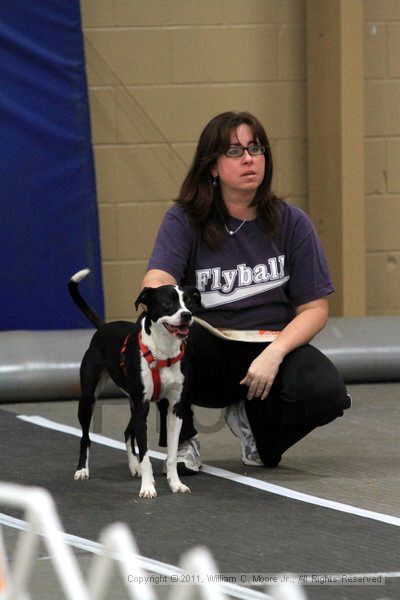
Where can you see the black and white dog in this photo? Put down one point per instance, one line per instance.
(146, 361)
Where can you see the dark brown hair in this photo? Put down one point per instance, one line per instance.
(203, 202)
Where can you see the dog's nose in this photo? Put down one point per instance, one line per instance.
(186, 316)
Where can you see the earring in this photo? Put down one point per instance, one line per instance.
(215, 181)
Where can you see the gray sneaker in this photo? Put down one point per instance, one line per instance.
(188, 457)
(238, 423)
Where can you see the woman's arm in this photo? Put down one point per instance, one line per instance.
(157, 277)
(309, 320)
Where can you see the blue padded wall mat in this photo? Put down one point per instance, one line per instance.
(48, 208)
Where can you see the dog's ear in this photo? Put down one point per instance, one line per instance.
(144, 297)
(194, 295)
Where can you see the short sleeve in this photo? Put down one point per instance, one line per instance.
(309, 273)
(173, 244)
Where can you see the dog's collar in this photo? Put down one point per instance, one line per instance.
(155, 365)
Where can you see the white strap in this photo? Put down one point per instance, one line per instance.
(242, 335)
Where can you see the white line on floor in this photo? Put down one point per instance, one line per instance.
(223, 473)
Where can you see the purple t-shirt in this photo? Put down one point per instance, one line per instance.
(252, 281)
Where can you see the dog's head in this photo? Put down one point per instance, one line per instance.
(170, 306)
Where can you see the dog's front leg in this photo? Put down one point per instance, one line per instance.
(174, 426)
(147, 489)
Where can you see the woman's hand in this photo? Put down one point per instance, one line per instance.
(262, 372)
(309, 320)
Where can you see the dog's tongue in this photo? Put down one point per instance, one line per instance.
(178, 330)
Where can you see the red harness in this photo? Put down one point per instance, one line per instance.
(154, 364)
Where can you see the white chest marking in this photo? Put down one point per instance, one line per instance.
(171, 380)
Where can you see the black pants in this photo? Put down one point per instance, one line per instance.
(307, 391)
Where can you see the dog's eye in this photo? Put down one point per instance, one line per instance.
(168, 303)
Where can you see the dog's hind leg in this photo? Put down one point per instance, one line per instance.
(92, 382)
(84, 416)
(129, 434)
(174, 426)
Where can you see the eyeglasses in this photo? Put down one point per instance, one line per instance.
(238, 151)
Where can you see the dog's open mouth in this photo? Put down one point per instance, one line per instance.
(180, 331)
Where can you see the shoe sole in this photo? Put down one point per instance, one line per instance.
(251, 463)
(237, 433)
(348, 403)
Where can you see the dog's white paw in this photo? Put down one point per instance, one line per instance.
(179, 488)
(81, 474)
(134, 466)
(148, 492)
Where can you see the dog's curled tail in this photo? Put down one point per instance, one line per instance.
(79, 301)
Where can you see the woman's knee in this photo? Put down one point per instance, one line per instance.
(310, 377)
